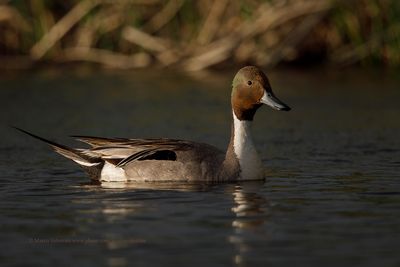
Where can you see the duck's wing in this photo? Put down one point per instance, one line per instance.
(97, 142)
(121, 151)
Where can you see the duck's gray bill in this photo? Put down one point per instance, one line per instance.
(270, 100)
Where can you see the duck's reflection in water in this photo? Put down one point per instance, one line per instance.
(251, 211)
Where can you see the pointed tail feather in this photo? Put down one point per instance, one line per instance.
(67, 152)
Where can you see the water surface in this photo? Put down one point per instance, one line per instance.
(331, 197)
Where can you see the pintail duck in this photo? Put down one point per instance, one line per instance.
(162, 160)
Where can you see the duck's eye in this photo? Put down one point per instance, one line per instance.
(249, 82)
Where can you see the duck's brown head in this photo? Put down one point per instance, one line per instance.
(251, 89)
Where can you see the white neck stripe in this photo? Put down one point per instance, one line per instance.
(250, 164)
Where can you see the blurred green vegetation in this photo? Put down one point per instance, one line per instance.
(196, 35)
